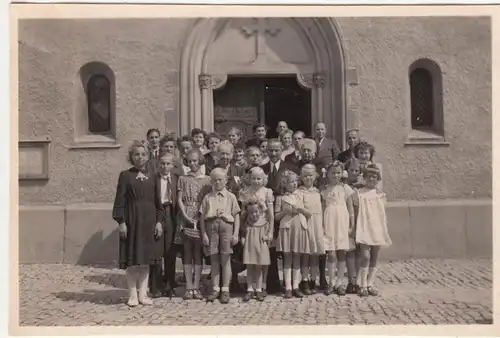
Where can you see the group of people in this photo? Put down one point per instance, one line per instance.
(248, 205)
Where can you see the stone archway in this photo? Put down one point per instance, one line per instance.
(311, 48)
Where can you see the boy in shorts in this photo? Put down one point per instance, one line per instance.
(220, 226)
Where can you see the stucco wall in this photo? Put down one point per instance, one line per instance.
(382, 51)
(145, 56)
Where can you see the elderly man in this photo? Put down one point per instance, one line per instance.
(328, 150)
(352, 139)
(294, 157)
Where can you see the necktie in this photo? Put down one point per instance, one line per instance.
(168, 192)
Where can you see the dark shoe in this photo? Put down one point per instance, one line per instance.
(224, 297)
(329, 290)
(264, 293)
(236, 288)
(260, 296)
(351, 289)
(363, 292)
(305, 288)
(372, 291)
(168, 292)
(323, 285)
(288, 294)
(247, 296)
(341, 290)
(213, 296)
(312, 286)
(273, 289)
(297, 293)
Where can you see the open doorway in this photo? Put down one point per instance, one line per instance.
(244, 101)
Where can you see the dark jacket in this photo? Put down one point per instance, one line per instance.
(327, 152)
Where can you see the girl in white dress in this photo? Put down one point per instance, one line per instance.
(293, 238)
(371, 228)
(312, 203)
(339, 225)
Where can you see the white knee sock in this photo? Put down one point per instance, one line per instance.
(330, 266)
(287, 276)
(371, 275)
(296, 278)
(362, 276)
(143, 286)
(197, 276)
(340, 273)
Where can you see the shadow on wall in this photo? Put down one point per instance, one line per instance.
(100, 250)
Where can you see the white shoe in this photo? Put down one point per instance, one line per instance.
(133, 301)
(132, 287)
(143, 287)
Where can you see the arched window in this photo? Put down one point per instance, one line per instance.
(95, 107)
(426, 96)
(98, 104)
(422, 108)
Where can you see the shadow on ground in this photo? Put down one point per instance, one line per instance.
(100, 297)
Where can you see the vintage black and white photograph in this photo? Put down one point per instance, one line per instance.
(254, 169)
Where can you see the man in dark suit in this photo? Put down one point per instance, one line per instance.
(294, 157)
(328, 150)
(273, 169)
(352, 137)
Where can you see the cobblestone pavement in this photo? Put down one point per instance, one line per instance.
(412, 292)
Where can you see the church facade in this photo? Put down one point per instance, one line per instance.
(418, 88)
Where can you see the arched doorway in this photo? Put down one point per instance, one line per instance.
(220, 48)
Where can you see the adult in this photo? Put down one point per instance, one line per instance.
(259, 133)
(328, 150)
(153, 138)
(294, 157)
(352, 139)
(287, 141)
(281, 127)
(273, 169)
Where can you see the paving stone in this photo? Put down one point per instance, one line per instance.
(412, 292)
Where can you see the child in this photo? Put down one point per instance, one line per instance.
(138, 211)
(256, 247)
(239, 155)
(153, 137)
(234, 135)
(293, 236)
(257, 189)
(263, 149)
(365, 152)
(353, 257)
(312, 203)
(167, 183)
(211, 158)
(287, 141)
(186, 144)
(371, 229)
(220, 226)
(199, 140)
(190, 192)
(339, 224)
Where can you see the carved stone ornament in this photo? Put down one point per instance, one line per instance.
(218, 81)
(205, 81)
(305, 80)
(319, 80)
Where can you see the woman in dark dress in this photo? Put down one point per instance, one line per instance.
(138, 211)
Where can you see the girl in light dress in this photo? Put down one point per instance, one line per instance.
(365, 153)
(191, 190)
(293, 236)
(312, 203)
(339, 225)
(287, 140)
(257, 190)
(371, 228)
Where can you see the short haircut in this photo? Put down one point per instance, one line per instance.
(152, 130)
(197, 131)
(259, 125)
(184, 138)
(239, 146)
(214, 135)
(274, 141)
(216, 172)
(201, 158)
(299, 132)
(226, 145)
(167, 138)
